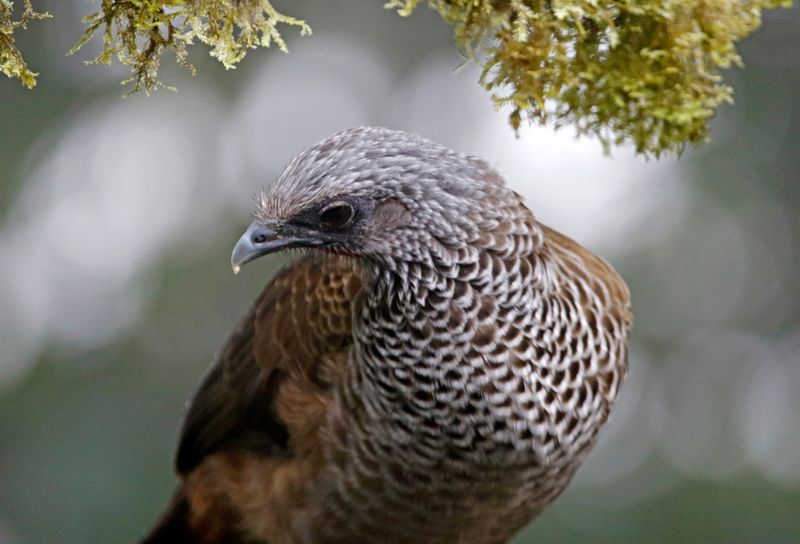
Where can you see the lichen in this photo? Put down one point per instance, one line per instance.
(11, 62)
(137, 32)
(645, 72)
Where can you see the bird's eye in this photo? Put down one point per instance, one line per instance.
(337, 215)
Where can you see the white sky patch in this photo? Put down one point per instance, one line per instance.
(116, 190)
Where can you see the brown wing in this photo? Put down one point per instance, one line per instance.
(260, 405)
(301, 319)
(597, 293)
(595, 273)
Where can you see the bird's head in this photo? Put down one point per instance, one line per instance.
(379, 194)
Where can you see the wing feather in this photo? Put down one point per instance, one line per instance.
(299, 322)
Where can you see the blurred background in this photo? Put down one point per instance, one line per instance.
(117, 218)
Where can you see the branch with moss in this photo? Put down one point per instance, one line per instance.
(137, 32)
(645, 72)
(11, 62)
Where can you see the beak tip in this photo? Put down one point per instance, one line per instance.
(242, 253)
(260, 239)
(246, 250)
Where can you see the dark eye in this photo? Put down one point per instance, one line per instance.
(337, 215)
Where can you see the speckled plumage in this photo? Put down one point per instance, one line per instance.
(435, 372)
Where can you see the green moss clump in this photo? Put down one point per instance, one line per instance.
(138, 31)
(11, 62)
(639, 71)
(645, 72)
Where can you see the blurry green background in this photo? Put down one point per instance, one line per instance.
(117, 218)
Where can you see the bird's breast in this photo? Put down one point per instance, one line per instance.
(479, 397)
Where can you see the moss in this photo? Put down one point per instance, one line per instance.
(11, 61)
(646, 72)
(640, 71)
(137, 32)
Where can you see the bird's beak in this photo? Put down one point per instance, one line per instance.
(260, 240)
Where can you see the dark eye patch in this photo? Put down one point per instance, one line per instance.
(337, 215)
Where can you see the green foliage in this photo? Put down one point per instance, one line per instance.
(640, 71)
(138, 31)
(11, 61)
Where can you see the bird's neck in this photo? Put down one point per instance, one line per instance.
(422, 323)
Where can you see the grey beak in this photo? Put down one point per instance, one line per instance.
(260, 240)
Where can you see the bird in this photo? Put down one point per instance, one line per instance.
(432, 366)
